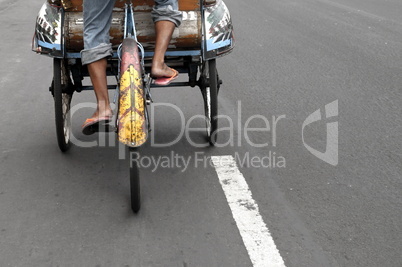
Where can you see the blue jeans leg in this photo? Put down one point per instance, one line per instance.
(97, 21)
(167, 10)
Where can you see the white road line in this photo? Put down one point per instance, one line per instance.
(254, 232)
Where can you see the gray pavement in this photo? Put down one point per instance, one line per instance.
(292, 58)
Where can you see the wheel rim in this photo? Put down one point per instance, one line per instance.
(206, 93)
(209, 87)
(66, 101)
(62, 93)
(208, 110)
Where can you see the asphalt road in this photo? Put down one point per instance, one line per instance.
(291, 58)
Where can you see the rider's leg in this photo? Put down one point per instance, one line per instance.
(97, 72)
(97, 47)
(164, 30)
(166, 16)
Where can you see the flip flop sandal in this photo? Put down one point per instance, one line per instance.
(92, 125)
(163, 81)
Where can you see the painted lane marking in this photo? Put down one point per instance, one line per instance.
(254, 232)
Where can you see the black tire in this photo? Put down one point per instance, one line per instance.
(62, 102)
(135, 192)
(209, 89)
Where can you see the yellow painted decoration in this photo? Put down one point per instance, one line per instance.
(132, 124)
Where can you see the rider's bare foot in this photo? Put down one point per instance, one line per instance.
(159, 71)
(102, 111)
(104, 114)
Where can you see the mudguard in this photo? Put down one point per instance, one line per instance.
(132, 123)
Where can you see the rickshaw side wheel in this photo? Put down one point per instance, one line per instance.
(209, 89)
(135, 192)
(62, 103)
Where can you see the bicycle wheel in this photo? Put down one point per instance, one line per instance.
(135, 192)
(209, 89)
(62, 95)
(132, 123)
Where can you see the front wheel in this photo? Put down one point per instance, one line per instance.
(62, 94)
(135, 194)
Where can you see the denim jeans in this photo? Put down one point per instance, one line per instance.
(98, 18)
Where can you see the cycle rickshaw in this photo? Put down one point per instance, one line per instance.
(206, 33)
